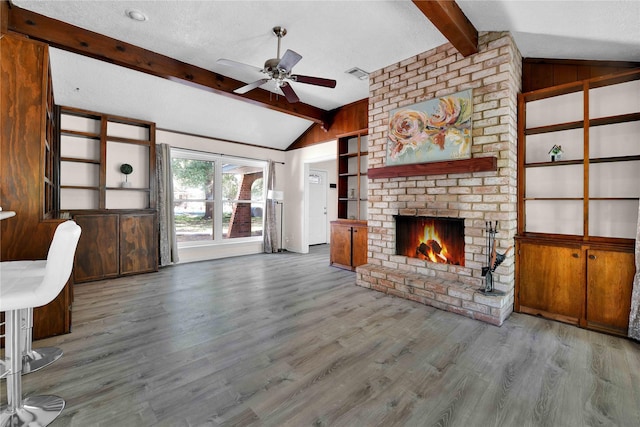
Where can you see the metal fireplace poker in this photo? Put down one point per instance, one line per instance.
(494, 259)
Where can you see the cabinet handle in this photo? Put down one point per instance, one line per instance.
(592, 257)
(575, 255)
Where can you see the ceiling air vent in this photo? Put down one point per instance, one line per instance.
(358, 73)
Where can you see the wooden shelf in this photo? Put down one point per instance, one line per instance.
(615, 159)
(89, 135)
(552, 198)
(622, 118)
(127, 189)
(478, 164)
(554, 128)
(579, 162)
(78, 160)
(80, 187)
(600, 121)
(127, 140)
(614, 198)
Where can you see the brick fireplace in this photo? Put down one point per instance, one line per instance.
(473, 196)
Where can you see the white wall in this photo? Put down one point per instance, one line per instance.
(192, 142)
(294, 177)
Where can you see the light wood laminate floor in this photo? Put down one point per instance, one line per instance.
(286, 340)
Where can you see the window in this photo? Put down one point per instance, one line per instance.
(217, 198)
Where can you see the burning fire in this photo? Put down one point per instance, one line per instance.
(431, 247)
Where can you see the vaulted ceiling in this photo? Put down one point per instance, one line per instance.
(181, 41)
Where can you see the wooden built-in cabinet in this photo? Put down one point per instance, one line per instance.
(349, 232)
(576, 284)
(348, 244)
(28, 167)
(117, 211)
(578, 213)
(352, 176)
(115, 244)
(93, 146)
(45, 159)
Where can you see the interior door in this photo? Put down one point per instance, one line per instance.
(317, 206)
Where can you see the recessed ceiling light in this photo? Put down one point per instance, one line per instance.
(136, 15)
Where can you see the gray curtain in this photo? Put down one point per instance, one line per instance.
(168, 243)
(270, 234)
(634, 316)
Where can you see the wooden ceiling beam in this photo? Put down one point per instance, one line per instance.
(77, 40)
(449, 19)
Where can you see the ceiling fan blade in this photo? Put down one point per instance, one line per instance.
(289, 93)
(289, 59)
(231, 63)
(318, 81)
(250, 86)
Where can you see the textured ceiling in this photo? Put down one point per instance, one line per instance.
(332, 37)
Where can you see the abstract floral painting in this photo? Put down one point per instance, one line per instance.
(434, 130)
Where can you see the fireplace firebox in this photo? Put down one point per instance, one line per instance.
(433, 239)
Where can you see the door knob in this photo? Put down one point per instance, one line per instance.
(592, 257)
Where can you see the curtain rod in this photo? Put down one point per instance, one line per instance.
(224, 155)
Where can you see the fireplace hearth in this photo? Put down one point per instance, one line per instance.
(434, 239)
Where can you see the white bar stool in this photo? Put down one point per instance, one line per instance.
(32, 359)
(23, 292)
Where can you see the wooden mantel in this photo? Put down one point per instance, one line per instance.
(478, 164)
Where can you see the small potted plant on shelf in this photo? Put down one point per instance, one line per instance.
(556, 153)
(126, 169)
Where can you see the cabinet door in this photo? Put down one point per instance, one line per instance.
(138, 243)
(359, 246)
(609, 285)
(551, 281)
(97, 253)
(55, 317)
(341, 245)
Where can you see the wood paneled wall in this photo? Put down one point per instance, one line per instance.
(24, 71)
(542, 73)
(349, 118)
(22, 105)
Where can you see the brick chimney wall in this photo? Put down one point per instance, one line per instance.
(494, 74)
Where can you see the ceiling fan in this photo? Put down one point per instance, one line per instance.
(279, 70)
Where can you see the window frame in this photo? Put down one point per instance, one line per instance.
(219, 160)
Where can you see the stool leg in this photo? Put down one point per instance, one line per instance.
(33, 360)
(35, 410)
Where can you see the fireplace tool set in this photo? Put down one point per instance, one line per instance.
(494, 259)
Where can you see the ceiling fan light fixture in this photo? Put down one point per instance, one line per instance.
(279, 70)
(136, 15)
(358, 73)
